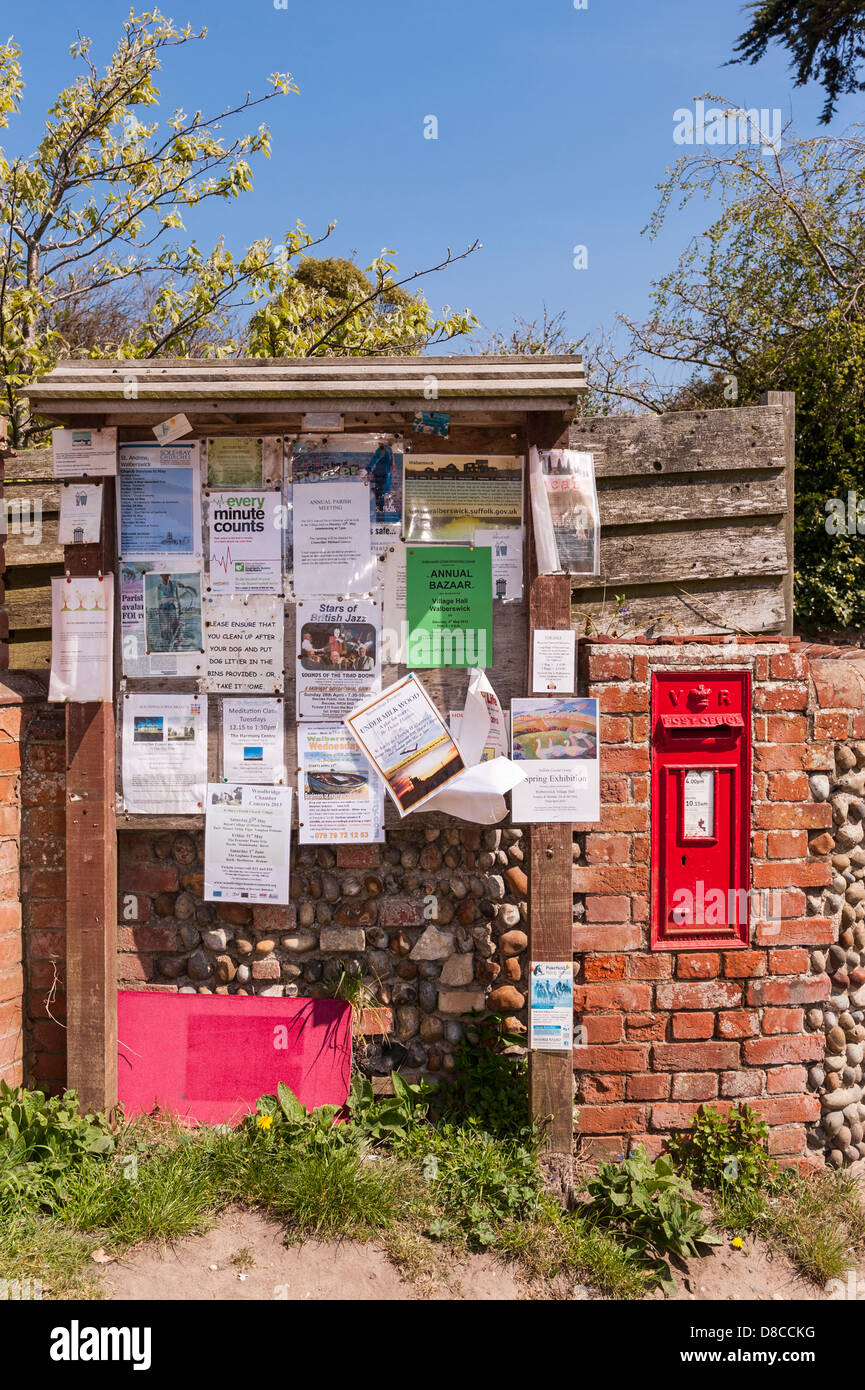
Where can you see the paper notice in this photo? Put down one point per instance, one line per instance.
(394, 634)
(407, 742)
(243, 640)
(551, 1006)
(506, 548)
(84, 453)
(340, 797)
(555, 742)
(246, 844)
(164, 753)
(245, 542)
(331, 537)
(338, 657)
(553, 656)
(82, 639)
(159, 503)
(253, 741)
(80, 513)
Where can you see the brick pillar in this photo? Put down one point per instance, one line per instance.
(19, 696)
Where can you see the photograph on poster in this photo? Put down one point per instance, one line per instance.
(555, 740)
(338, 658)
(84, 453)
(340, 799)
(407, 742)
(159, 502)
(172, 616)
(253, 740)
(376, 459)
(164, 752)
(247, 831)
(447, 497)
(80, 513)
(245, 542)
(449, 606)
(243, 642)
(82, 639)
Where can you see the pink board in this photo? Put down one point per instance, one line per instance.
(208, 1057)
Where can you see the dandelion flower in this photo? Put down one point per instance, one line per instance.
(737, 1243)
(264, 1121)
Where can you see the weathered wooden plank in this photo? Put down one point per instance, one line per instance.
(752, 606)
(31, 654)
(786, 400)
(686, 552)
(759, 493)
(28, 465)
(46, 494)
(29, 607)
(200, 409)
(683, 441)
(20, 549)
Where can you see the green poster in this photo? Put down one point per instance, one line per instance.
(449, 605)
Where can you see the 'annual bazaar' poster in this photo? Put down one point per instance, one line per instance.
(449, 606)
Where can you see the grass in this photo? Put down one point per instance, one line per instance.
(817, 1220)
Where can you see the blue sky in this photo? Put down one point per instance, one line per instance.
(554, 125)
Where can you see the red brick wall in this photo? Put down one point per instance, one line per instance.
(664, 1032)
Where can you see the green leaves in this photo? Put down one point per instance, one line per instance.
(43, 1138)
(651, 1209)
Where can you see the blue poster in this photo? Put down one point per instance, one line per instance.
(159, 501)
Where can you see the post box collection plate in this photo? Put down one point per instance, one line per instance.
(701, 800)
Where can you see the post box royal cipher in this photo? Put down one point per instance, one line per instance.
(701, 800)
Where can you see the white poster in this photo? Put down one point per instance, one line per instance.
(496, 741)
(553, 657)
(338, 657)
(159, 503)
(253, 741)
(340, 798)
(394, 635)
(80, 514)
(551, 1006)
(506, 547)
(247, 833)
(164, 760)
(84, 453)
(332, 539)
(243, 640)
(160, 621)
(245, 541)
(82, 639)
(555, 743)
(376, 459)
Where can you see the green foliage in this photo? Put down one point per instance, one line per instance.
(489, 1087)
(388, 1118)
(721, 1150)
(476, 1182)
(652, 1210)
(43, 1138)
(826, 42)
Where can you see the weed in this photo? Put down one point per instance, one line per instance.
(723, 1150)
(42, 1139)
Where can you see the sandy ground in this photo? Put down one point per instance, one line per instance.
(243, 1257)
(216, 1266)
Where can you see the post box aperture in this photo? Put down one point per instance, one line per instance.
(701, 797)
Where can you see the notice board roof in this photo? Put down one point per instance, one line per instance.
(268, 387)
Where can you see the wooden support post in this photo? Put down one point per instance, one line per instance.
(787, 401)
(91, 868)
(551, 900)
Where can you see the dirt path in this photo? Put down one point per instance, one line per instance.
(244, 1257)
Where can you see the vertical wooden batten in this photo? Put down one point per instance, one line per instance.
(787, 402)
(91, 867)
(551, 907)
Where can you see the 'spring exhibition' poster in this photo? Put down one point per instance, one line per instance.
(555, 743)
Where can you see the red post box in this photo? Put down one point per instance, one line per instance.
(701, 800)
